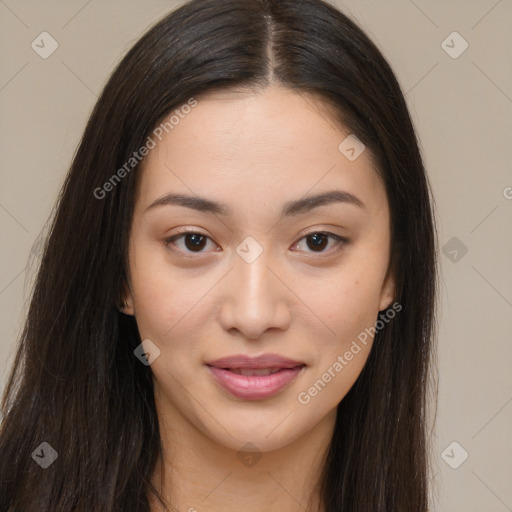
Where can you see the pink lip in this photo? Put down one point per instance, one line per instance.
(255, 387)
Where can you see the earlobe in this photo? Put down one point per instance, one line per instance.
(387, 295)
(126, 306)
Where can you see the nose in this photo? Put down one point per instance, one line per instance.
(255, 299)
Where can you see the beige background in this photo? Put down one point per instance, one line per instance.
(462, 108)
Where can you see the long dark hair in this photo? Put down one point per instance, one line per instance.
(75, 383)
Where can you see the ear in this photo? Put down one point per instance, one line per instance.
(126, 305)
(387, 295)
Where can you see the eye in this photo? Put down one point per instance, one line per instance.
(194, 241)
(318, 240)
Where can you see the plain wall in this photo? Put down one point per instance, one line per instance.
(462, 109)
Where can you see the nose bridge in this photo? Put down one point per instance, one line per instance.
(254, 288)
(255, 299)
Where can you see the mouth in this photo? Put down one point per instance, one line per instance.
(247, 372)
(256, 378)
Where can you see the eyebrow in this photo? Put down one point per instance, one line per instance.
(290, 208)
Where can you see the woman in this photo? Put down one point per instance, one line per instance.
(235, 308)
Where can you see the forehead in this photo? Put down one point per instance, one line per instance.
(256, 146)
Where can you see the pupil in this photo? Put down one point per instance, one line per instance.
(320, 240)
(197, 243)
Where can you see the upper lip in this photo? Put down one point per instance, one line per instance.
(263, 361)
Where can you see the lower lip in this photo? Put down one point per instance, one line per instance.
(255, 387)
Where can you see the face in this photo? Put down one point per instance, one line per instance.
(285, 285)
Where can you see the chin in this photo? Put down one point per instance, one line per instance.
(272, 432)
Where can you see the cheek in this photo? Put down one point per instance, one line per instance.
(348, 304)
(152, 301)
(165, 298)
(341, 354)
(347, 301)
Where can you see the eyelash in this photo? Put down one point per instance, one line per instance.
(341, 241)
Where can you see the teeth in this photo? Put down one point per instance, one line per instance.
(247, 372)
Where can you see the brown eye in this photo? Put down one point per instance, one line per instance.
(319, 240)
(193, 242)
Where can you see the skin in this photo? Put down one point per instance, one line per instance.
(254, 152)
